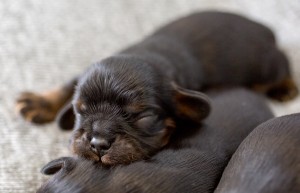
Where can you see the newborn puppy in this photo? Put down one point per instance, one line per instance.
(184, 170)
(234, 114)
(128, 105)
(267, 161)
(192, 163)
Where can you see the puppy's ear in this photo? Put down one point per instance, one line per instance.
(66, 117)
(190, 105)
(55, 165)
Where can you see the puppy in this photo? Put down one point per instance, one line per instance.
(192, 163)
(127, 106)
(267, 161)
(184, 170)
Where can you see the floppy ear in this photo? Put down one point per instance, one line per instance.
(55, 165)
(66, 117)
(190, 105)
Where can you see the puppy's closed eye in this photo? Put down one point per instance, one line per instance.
(146, 121)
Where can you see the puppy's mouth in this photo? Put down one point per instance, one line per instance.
(123, 150)
(100, 153)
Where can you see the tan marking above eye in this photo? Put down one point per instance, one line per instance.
(132, 108)
(81, 106)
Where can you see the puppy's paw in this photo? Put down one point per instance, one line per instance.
(285, 91)
(35, 108)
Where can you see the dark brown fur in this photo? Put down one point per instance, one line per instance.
(131, 94)
(192, 163)
(267, 161)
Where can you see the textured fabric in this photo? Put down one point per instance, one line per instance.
(44, 43)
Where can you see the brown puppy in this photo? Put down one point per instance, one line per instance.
(267, 161)
(126, 105)
(195, 166)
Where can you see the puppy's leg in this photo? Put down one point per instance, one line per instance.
(282, 91)
(43, 107)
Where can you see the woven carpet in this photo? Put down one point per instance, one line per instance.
(44, 43)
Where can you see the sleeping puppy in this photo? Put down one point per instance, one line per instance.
(126, 107)
(267, 161)
(169, 171)
(192, 163)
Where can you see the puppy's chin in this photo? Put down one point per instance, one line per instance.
(124, 151)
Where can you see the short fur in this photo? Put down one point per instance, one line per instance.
(267, 161)
(128, 105)
(192, 163)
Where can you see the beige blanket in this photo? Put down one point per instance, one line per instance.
(43, 43)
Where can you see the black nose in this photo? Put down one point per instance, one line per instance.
(99, 143)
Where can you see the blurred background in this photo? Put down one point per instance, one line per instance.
(44, 43)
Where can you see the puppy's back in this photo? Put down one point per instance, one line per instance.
(184, 170)
(237, 47)
(267, 161)
(235, 113)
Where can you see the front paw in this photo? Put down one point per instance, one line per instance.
(35, 108)
(285, 91)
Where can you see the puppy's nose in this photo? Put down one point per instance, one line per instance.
(100, 143)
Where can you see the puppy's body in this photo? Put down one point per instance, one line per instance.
(192, 163)
(267, 161)
(128, 105)
(234, 114)
(212, 49)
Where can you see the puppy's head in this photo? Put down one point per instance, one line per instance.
(125, 111)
